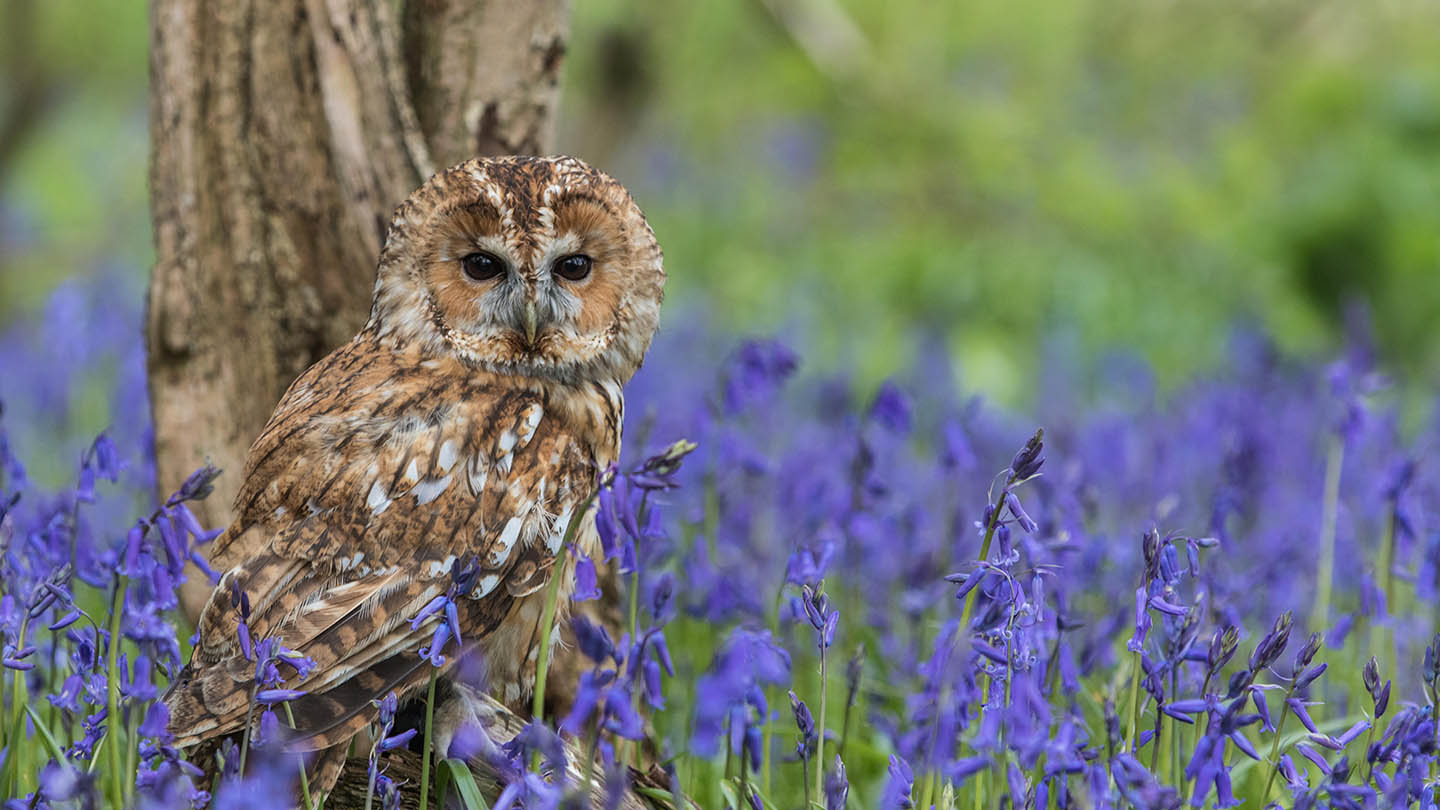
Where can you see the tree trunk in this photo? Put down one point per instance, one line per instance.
(284, 133)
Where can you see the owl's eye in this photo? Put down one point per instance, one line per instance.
(573, 267)
(482, 266)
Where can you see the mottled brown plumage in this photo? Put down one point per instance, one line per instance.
(469, 418)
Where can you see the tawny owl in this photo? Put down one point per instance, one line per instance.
(468, 419)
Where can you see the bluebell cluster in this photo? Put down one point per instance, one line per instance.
(1223, 594)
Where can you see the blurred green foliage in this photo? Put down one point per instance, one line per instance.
(73, 132)
(1125, 173)
(1134, 173)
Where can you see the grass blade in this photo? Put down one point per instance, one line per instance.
(455, 770)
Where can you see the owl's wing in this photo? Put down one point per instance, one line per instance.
(354, 547)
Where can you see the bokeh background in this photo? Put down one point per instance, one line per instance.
(1003, 179)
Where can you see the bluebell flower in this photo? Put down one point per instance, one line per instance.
(900, 781)
(729, 691)
(64, 783)
(269, 783)
(805, 724)
(592, 639)
(837, 786)
(463, 576)
(891, 408)
(604, 699)
(587, 586)
(156, 722)
(821, 616)
(1379, 695)
(756, 372)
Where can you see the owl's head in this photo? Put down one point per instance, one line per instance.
(521, 265)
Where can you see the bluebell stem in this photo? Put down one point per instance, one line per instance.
(805, 744)
(1301, 675)
(1379, 702)
(824, 619)
(1150, 545)
(1430, 675)
(384, 741)
(853, 672)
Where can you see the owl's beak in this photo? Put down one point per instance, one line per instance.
(531, 321)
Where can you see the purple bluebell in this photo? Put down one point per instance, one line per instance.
(837, 786)
(1379, 694)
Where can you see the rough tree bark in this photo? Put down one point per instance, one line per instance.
(284, 132)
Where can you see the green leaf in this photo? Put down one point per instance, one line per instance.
(729, 791)
(46, 737)
(658, 795)
(10, 779)
(455, 770)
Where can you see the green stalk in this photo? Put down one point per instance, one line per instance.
(624, 750)
(429, 728)
(1369, 739)
(729, 754)
(1201, 726)
(112, 691)
(17, 706)
(1174, 752)
(928, 793)
(1335, 458)
(547, 616)
(249, 724)
(304, 777)
(590, 762)
(1435, 761)
(370, 785)
(820, 730)
(1155, 742)
(745, 776)
(132, 758)
(634, 603)
(769, 727)
(845, 726)
(1037, 774)
(1382, 637)
(1275, 746)
(765, 751)
(1134, 703)
(984, 553)
(1435, 721)
(547, 619)
(805, 770)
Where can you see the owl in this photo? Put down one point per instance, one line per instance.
(462, 428)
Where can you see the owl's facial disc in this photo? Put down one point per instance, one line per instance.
(536, 301)
(533, 266)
